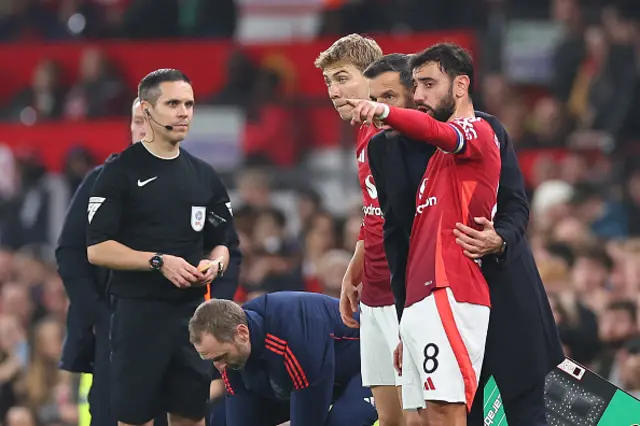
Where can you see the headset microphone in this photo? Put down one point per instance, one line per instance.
(152, 119)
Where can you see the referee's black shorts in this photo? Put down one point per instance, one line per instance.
(154, 367)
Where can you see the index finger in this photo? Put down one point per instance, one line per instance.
(352, 102)
(468, 230)
(193, 271)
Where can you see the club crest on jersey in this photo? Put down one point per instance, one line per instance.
(197, 218)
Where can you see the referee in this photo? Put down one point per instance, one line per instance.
(86, 345)
(160, 219)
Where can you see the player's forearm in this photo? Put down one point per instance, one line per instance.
(422, 127)
(223, 253)
(113, 255)
(356, 265)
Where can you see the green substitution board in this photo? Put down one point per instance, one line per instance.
(574, 396)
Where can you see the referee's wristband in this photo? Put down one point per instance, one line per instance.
(385, 113)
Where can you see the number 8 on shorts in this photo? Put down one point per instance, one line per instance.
(444, 343)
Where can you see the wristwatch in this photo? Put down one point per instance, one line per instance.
(156, 261)
(220, 270)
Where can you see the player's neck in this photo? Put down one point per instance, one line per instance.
(464, 110)
(163, 148)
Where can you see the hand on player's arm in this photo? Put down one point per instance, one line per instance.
(476, 243)
(350, 291)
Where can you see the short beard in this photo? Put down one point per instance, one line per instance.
(446, 108)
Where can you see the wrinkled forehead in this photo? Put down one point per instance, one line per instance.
(430, 70)
(386, 81)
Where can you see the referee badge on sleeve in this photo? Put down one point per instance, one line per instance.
(197, 218)
(94, 205)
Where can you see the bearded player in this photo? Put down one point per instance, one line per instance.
(342, 67)
(446, 316)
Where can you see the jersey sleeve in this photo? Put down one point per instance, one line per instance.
(105, 204)
(474, 136)
(310, 362)
(219, 229)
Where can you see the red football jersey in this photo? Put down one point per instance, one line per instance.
(456, 187)
(376, 281)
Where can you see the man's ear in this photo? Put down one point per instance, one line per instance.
(461, 85)
(243, 332)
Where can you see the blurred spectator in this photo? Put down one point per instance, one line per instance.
(550, 204)
(333, 266)
(590, 276)
(496, 93)
(269, 232)
(241, 75)
(577, 325)
(49, 390)
(254, 187)
(319, 237)
(605, 216)
(269, 134)
(21, 416)
(13, 362)
(632, 197)
(618, 324)
(204, 18)
(78, 163)
(27, 19)
(164, 14)
(549, 128)
(15, 300)
(309, 202)
(570, 51)
(630, 367)
(43, 100)
(603, 89)
(351, 231)
(100, 91)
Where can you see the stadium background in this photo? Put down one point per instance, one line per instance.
(562, 75)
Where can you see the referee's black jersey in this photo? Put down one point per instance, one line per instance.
(173, 206)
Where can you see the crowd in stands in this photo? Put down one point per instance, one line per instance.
(577, 139)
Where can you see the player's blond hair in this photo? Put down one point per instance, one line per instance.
(352, 49)
(218, 317)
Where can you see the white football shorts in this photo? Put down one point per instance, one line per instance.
(443, 350)
(379, 337)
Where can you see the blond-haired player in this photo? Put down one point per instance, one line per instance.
(342, 65)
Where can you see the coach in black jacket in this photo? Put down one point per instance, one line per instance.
(522, 341)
